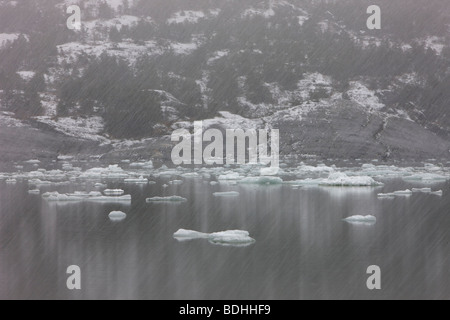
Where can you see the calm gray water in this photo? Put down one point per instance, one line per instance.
(303, 249)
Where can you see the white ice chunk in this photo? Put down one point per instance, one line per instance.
(230, 176)
(100, 185)
(226, 238)
(226, 194)
(140, 180)
(117, 215)
(341, 179)
(403, 193)
(34, 191)
(424, 190)
(80, 196)
(270, 171)
(358, 219)
(166, 199)
(11, 181)
(125, 198)
(144, 165)
(427, 177)
(386, 196)
(33, 161)
(113, 192)
(262, 180)
(176, 182)
(437, 193)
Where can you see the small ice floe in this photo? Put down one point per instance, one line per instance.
(112, 172)
(113, 192)
(267, 180)
(230, 176)
(117, 216)
(166, 199)
(403, 193)
(437, 193)
(38, 182)
(386, 196)
(140, 180)
(364, 220)
(234, 238)
(11, 181)
(270, 171)
(191, 175)
(33, 161)
(305, 182)
(423, 190)
(143, 165)
(34, 191)
(99, 185)
(341, 179)
(213, 183)
(176, 182)
(165, 186)
(226, 194)
(57, 197)
(81, 196)
(124, 198)
(426, 177)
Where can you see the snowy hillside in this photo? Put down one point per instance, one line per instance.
(299, 66)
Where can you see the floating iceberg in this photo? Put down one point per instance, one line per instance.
(113, 192)
(236, 238)
(112, 172)
(403, 193)
(262, 180)
(190, 175)
(140, 180)
(80, 196)
(166, 199)
(213, 183)
(386, 196)
(176, 182)
(341, 179)
(437, 193)
(230, 176)
(144, 165)
(117, 215)
(11, 181)
(33, 162)
(39, 182)
(270, 171)
(55, 196)
(305, 182)
(125, 198)
(226, 194)
(427, 177)
(423, 190)
(34, 191)
(361, 219)
(99, 185)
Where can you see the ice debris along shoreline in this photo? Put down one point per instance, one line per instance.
(362, 220)
(166, 199)
(117, 216)
(237, 238)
